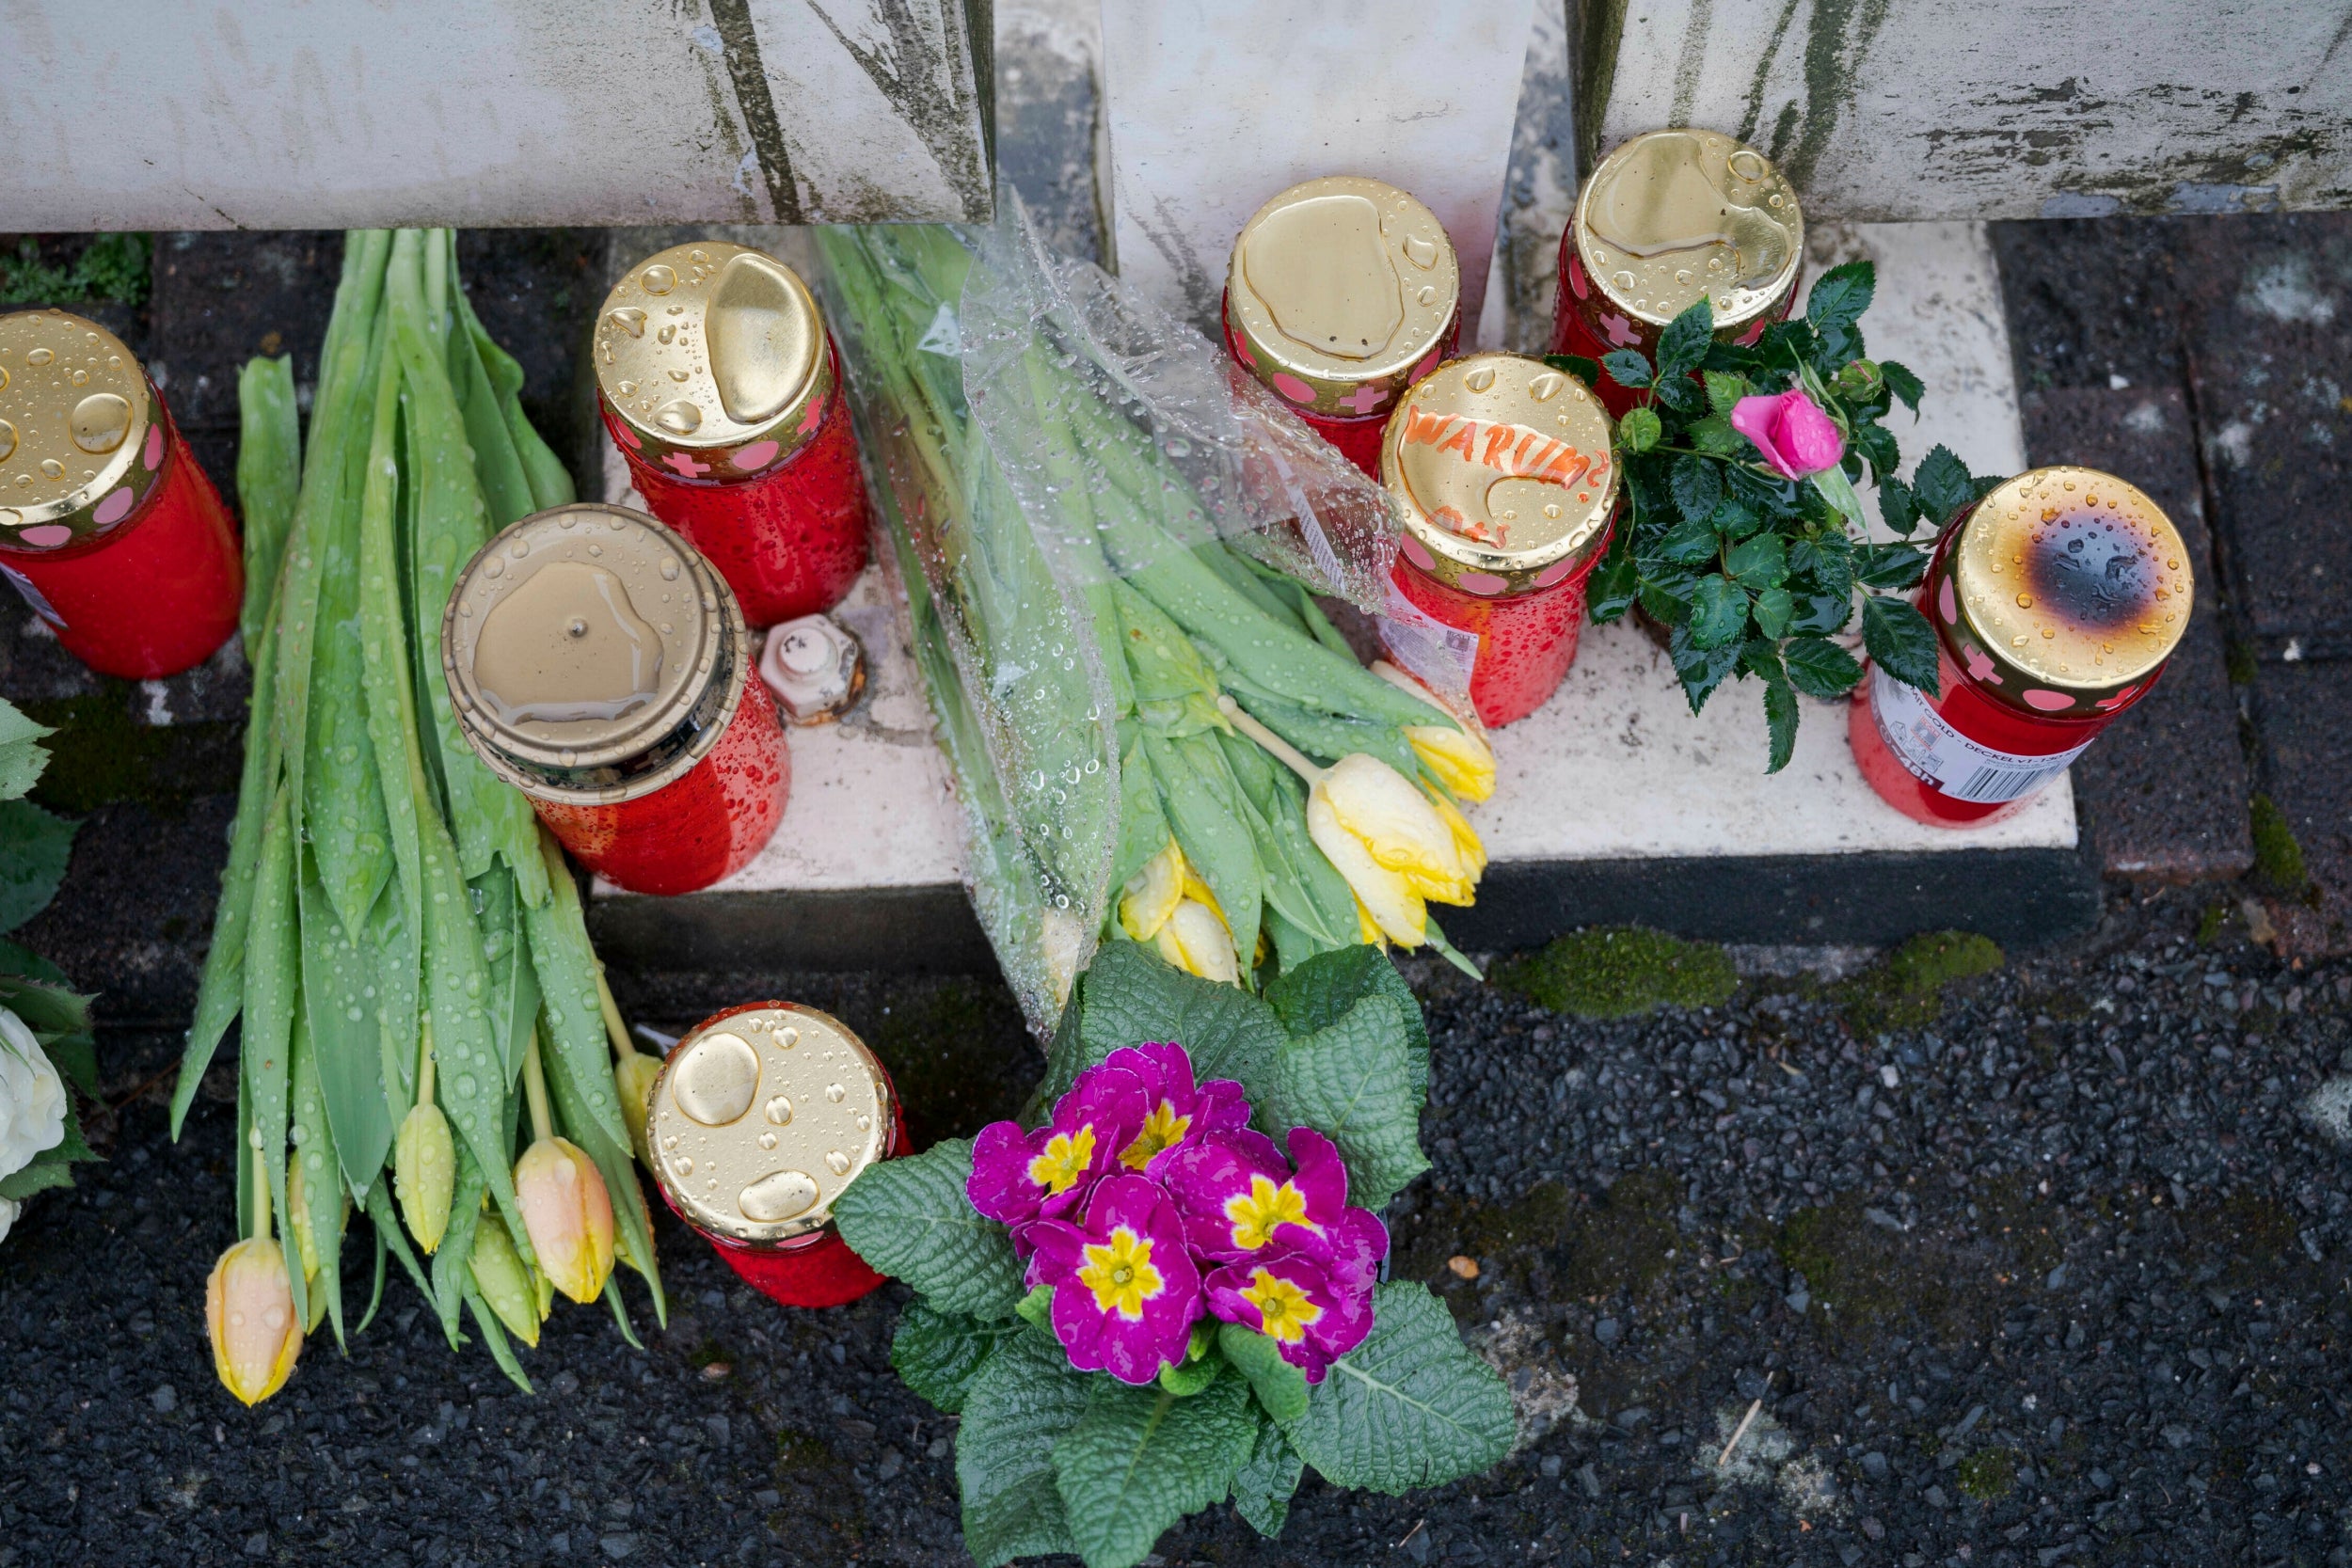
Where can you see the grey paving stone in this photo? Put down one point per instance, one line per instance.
(2307, 730)
(2163, 793)
(2090, 299)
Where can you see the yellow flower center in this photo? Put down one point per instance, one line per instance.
(1163, 1129)
(1066, 1158)
(1256, 1213)
(1120, 1274)
(1283, 1309)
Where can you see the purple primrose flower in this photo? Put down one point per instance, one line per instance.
(1238, 1194)
(1174, 1109)
(1019, 1178)
(1125, 1292)
(1314, 1308)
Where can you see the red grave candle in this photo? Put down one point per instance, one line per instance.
(599, 665)
(108, 528)
(1341, 293)
(720, 388)
(2056, 603)
(1501, 469)
(1667, 219)
(761, 1116)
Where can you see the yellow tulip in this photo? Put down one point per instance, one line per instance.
(248, 1312)
(499, 1275)
(1195, 940)
(1466, 840)
(1151, 894)
(425, 1172)
(1460, 757)
(569, 1215)
(632, 1079)
(1383, 897)
(1398, 828)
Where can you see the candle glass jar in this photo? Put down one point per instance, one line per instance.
(108, 528)
(1501, 470)
(719, 384)
(759, 1119)
(1667, 219)
(2056, 603)
(1341, 293)
(599, 665)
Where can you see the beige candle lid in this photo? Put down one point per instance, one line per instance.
(1674, 216)
(80, 431)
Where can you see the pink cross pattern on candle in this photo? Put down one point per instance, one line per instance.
(1620, 330)
(1980, 667)
(685, 466)
(1364, 399)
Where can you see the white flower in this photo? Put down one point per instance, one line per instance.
(9, 1209)
(32, 1096)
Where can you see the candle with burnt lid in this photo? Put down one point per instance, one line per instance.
(601, 667)
(720, 385)
(1668, 219)
(108, 528)
(1500, 469)
(1342, 293)
(2055, 604)
(761, 1116)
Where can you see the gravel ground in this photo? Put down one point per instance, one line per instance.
(2058, 1278)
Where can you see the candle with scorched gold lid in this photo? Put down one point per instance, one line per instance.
(1341, 293)
(2056, 603)
(599, 665)
(720, 385)
(108, 528)
(1501, 470)
(762, 1116)
(1667, 219)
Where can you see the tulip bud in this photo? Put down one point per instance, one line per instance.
(311, 1231)
(632, 1079)
(1462, 760)
(569, 1215)
(248, 1312)
(1151, 894)
(425, 1172)
(1197, 941)
(499, 1275)
(1393, 846)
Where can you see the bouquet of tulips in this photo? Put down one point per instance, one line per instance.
(1165, 1290)
(403, 940)
(1112, 545)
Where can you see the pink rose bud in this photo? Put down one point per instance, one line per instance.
(1794, 436)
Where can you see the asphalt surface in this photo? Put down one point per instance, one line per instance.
(2057, 1278)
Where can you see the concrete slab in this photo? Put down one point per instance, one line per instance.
(2307, 727)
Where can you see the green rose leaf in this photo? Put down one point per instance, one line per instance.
(1942, 485)
(1760, 562)
(1698, 487)
(939, 1353)
(1771, 612)
(910, 1220)
(1609, 593)
(1138, 1460)
(1907, 387)
(1761, 658)
(1700, 670)
(1128, 996)
(21, 756)
(1359, 1080)
(1586, 370)
(1819, 614)
(35, 846)
(1877, 443)
(1021, 1402)
(1281, 1387)
(1897, 506)
(1840, 295)
(1714, 436)
(1900, 639)
(1736, 520)
(1627, 368)
(1682, 395)
(1410, 1406)
(1682, 346)
(1890, 565)
(1692, 542)
(1639, 429)
(1262, 1488)
(1819, 668)
(1723, 391)
(1719, 611)
(1828, 559)
(1667, 600)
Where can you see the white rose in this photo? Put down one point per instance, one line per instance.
(32, 1096)
(9, 1209)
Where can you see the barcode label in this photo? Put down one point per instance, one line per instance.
(1936, 753)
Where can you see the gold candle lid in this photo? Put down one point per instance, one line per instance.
(1500, 467)
(1675, 217)
(2064, 591)
(761, 1116)
(594, 655)
(712, 361)
(1341, 293)
(80, 431)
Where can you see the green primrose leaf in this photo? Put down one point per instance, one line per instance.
(1760, 562)
(1639, 429)
(1023, 1400)
(1586, 370)
(1942, 485)
(1408, 1408)
(1359, 1080)
(1719, 611)
(1898, 507)
(1723, 391)
(1263, 1487)
(1890, 565)
(1819, 668)
(1627, 368)
(1840, 295)
(1901, 641)
(1692, 542)
(1037, 1307)
(910, 1220)
(1128, 996)
(1139, 1458)
(1281, 1387)
(939, 1353)
(1684, 343)
(1771, 611)
(1697, 484)
(1906, 386)
(35, 846)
